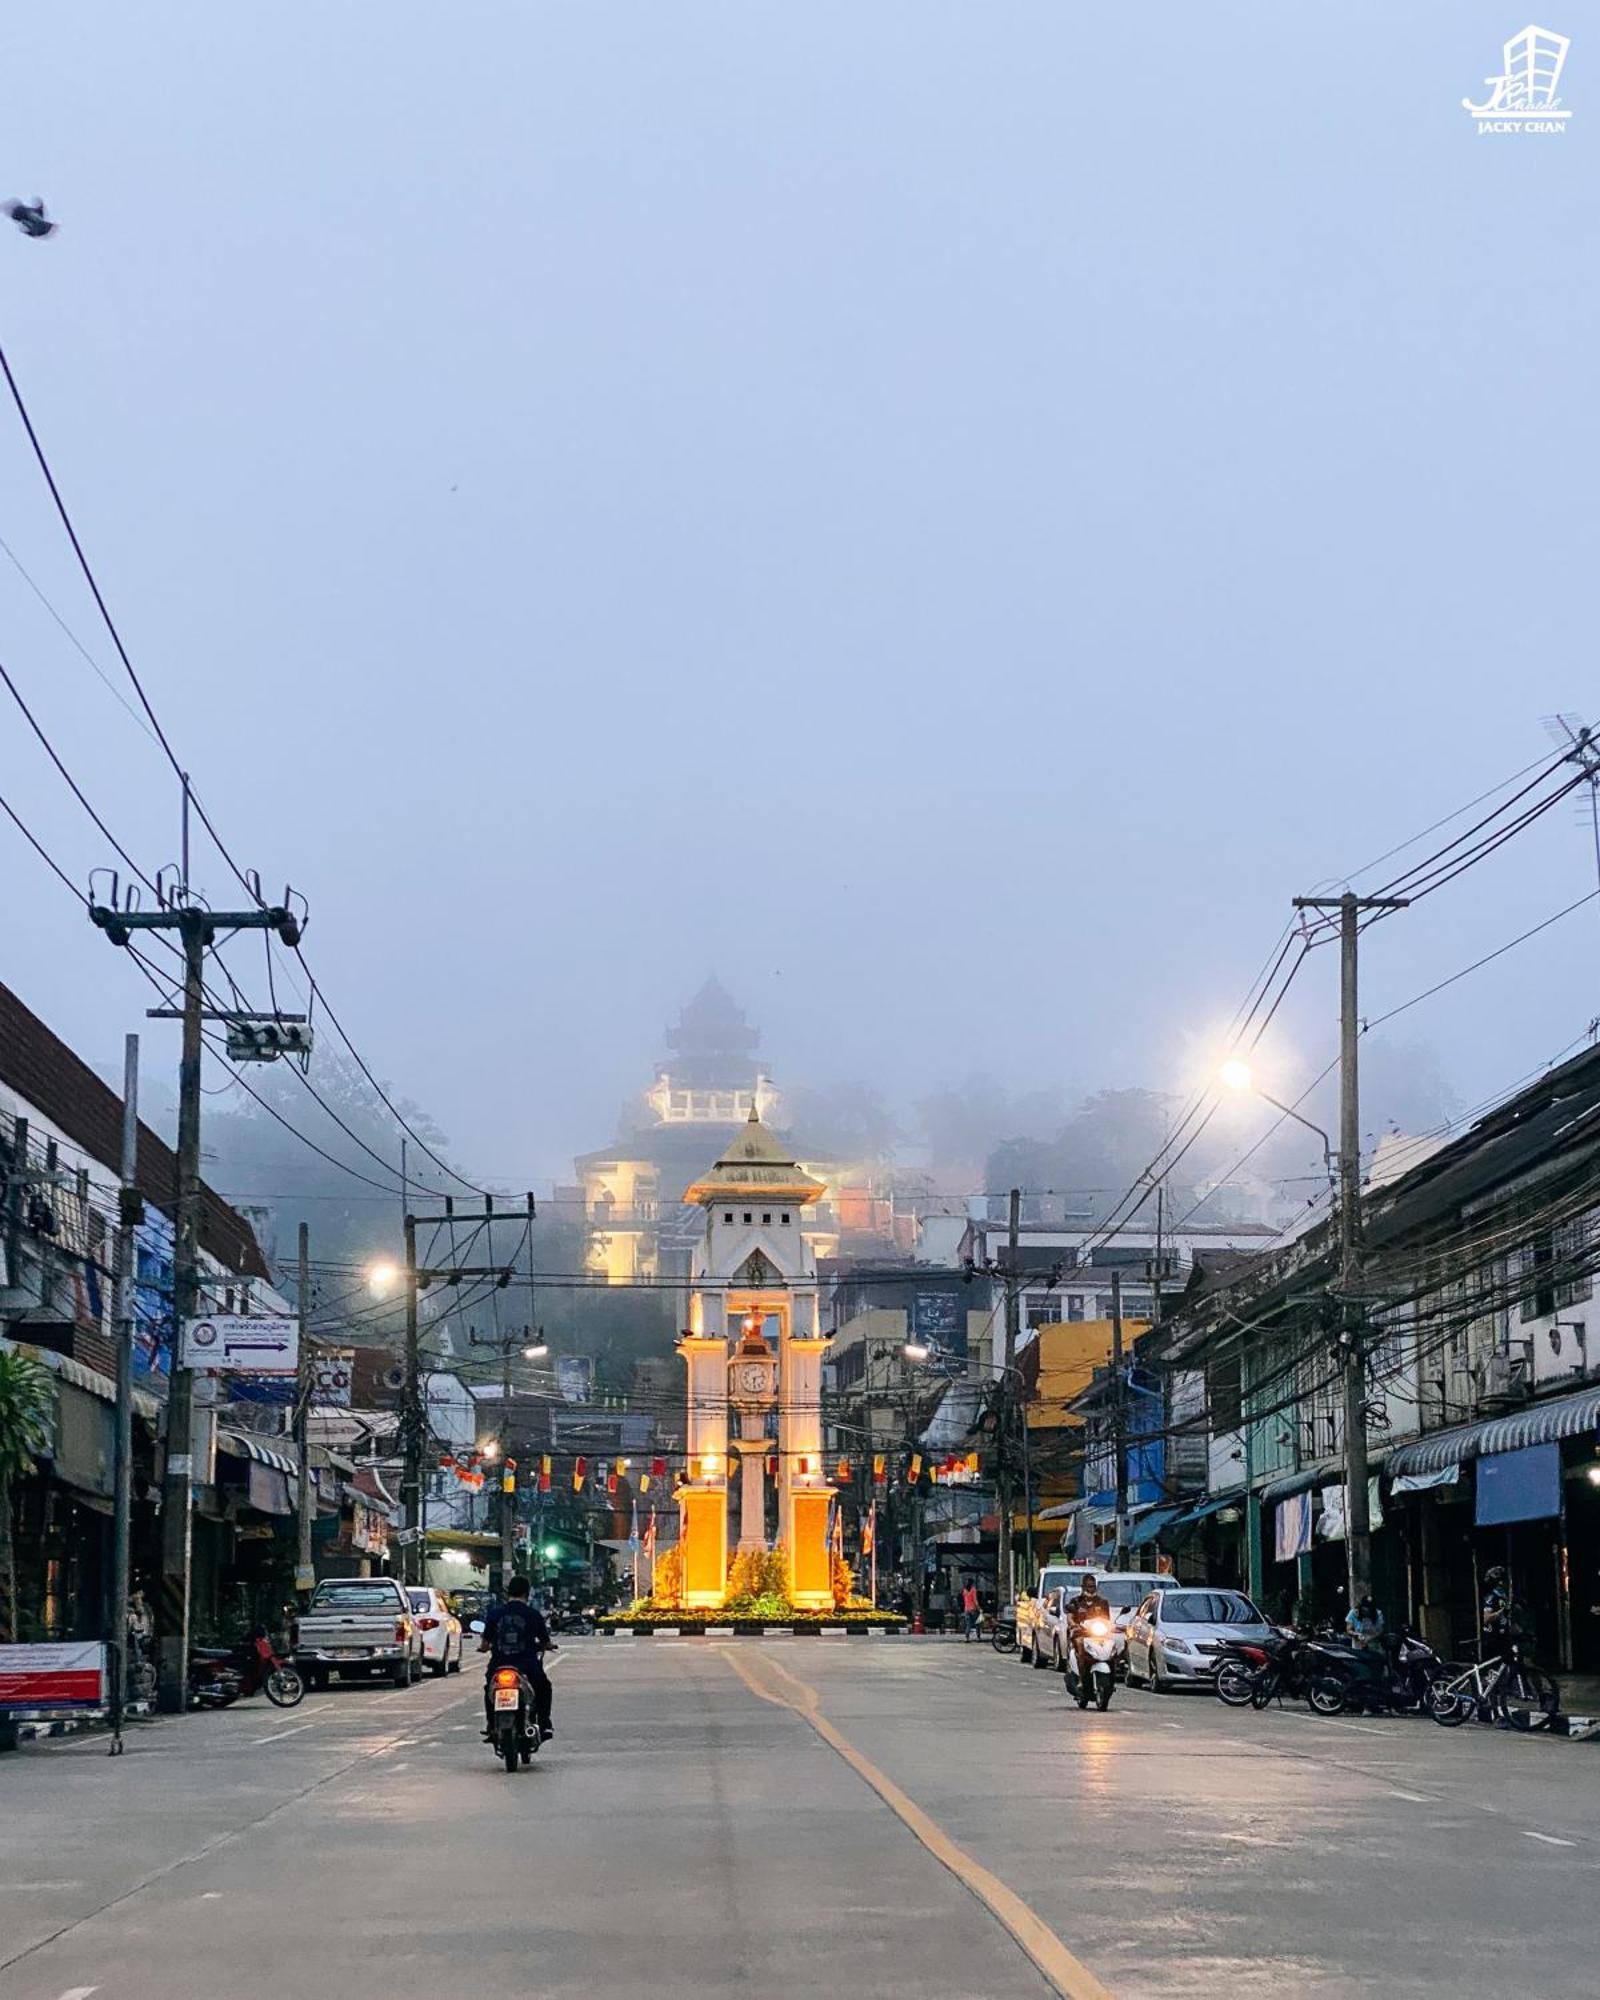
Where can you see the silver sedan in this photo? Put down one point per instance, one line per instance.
(1176, 1636)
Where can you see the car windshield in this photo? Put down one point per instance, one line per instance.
(1208, 1607)
(356, 1593)
(422, 1600)
(1122, 1593)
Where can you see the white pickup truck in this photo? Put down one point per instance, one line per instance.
(359, 1626)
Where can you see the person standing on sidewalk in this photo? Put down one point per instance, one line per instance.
(969, 1611)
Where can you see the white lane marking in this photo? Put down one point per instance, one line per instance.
(79, 1992)
(278, 1735)
(1412, 1798)
(1549, 1839)
(211, 1895)
(30, 1888)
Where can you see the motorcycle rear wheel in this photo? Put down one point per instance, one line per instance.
(285, 1688)
(1004, 1638)
(508, 1748)
(1326, 1696)
(1235, 1683)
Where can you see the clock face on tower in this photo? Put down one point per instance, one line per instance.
(752, 1377)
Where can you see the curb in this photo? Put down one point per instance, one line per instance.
(38, 1726)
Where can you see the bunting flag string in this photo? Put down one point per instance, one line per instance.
(580, 1472)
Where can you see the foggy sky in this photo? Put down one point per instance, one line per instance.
(949, 516)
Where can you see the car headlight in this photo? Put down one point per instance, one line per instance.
(1177, 1645)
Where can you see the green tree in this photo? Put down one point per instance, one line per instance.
(25, 1402)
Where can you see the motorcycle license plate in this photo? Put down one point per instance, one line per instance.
(506, 1698)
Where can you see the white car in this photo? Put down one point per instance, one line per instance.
(1176, 1636)
(440, 1629)
(1123, 1590)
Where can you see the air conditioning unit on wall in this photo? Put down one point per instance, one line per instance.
(1504, 1378)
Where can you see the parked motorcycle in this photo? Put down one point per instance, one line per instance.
(1305, 1670)
(1103, 1645)
(1240, 1662)
(1391, 1681)
(516, 1725)
(222, 1675)
(1003, 1637)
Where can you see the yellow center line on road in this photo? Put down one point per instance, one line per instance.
(1068, 1975)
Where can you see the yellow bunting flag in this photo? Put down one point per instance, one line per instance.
(914, 1470)
(878, 1468)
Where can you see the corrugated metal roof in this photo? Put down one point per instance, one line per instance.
(241, 1444)
(1540, 1423)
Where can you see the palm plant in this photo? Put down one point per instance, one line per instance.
(25, 1403)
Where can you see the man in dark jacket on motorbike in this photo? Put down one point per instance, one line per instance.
(1078, 1611)
(515, 1635)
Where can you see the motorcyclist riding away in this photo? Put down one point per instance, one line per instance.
(515, 1635)
(1079, 1610)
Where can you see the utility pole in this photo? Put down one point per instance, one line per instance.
(197, 930)
(1358, 1517)
(1119, 1426)
(305, 1575)
(411, 1416)
(130, 1213)
(1008, 1376)
(413, 1407)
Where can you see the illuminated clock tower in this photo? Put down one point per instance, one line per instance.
(754, 1339)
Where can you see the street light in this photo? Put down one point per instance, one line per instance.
(537, 1352)
(381, 1276)
(917, 1350)
(1237, 1075)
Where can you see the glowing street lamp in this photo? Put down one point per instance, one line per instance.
(1237, 1075)
(537, 1352)
(381, 1276)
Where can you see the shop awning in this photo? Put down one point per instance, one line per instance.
(1423, 1482)
(241, 1444)
(1213, 1505)
(1541, 1423)
(1062, 1511)
(1150, 1526)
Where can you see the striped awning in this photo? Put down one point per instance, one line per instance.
(241, 1444)
(90, 1380)
(1540, 1423)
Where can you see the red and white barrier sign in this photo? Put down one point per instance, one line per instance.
(61, 1676)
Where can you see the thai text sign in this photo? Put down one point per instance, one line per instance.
(59, 1676)
(240, 1344)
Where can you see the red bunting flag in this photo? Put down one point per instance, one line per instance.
(914, 1469)
(611, 1482)
(580, 1472)
(879, 1473)
(772, 1465)
(866, 1531)
(658, 1468)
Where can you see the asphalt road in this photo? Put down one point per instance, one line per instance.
(825, 1816)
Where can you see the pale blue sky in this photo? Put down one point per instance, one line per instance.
(917, 506)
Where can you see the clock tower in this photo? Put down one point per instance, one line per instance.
(754, 1341)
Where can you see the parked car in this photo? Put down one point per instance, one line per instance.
(361, 1627)
(440, 1629)
(1031, 1607)
(1179, 1635)
(1123, 1590)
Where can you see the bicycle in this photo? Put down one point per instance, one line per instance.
(1506, 1685)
